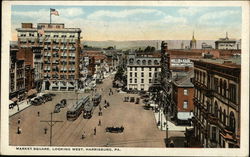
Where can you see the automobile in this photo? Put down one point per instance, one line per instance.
(58, 105)
(51, 94)
(137, 100)
(63, 102)
(34, 102)
(115, 129)
(39, 101)
(132, 99)
(57, 109)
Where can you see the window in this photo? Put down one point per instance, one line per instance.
(131, 69)
(185, 104)
(150, 80)
(135, 80)
(131, 74)
(150, 75)
(130, 80)
(216, 84)
(221, 86)
(156, 69)
(216, 109)
(142, 69)
(142, 80)
(185, 91)
(150, 69)
(225, 88)
(135, 68)
(232, 92)
(142, 74)
(144, 62)
(155, 74)
(135, 74)
(232, 121)
(149, 62)
(224, 117)
(214, 133)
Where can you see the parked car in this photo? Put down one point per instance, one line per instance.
(63, 102)
(52, 94)
(57, 109)
(115, 129)
(137, 100)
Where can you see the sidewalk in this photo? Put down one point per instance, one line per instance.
(171, 126)
(22, 105)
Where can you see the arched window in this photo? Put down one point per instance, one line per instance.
(221, 86)
(232, 121)
(220, 114)
(225, 88)
(138, 62)
(144, 62)
(203, 81)
(156, 62)
(149, 62)
(208, 107)
(224, 117)
(216, 109)
(131, 60)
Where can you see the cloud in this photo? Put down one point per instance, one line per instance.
(174, 20)
(64, 12)
(189, 11)
(123, 13)
(218, 15)
(71, 12)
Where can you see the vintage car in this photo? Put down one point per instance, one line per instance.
(115, 129)
(137, 100)
(63, 103)
(57, 108)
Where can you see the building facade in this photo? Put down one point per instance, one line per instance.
(60, 53)
(143, 71)
(217, 102)
(17, 77)
(227, 44)
(183, 92)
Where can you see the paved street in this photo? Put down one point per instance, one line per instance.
(140, 125)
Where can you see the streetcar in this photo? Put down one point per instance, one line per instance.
(87, 110)
(74, 112)
(97, 99)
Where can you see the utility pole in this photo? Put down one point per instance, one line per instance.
(51, 123)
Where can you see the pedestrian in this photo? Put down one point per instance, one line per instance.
(105, 101)
(83, 135)
(19, 120)
(45, 130)
(95, 131)
(100, 123)
(38, 113)
(108, 104)
(18, 130)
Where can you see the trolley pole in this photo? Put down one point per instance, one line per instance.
(51, 123)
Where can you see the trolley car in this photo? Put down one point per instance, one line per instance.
(74, 112)
(88, 110)
(97, 99)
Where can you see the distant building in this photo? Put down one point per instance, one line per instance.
(193, 43)
(61, 50)
(205, 46)
(181, 64)
(227, 44)
(217, 102)
(143, 71)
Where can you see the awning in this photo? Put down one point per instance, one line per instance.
(184, 115)
(14, 99)
(32, 92)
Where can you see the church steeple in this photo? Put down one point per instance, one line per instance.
(227, 36)
(193, 42)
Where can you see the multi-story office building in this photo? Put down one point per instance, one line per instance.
(227, 44)
(217, 102)
(17, 76)
(61, 50)
(38, 67)
(143, 71)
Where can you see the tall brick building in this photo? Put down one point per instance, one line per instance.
(60, 53)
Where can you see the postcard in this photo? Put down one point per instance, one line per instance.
(151, 78)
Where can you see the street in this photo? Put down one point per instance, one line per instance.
(140, 129)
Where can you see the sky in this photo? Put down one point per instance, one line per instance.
(121, 23)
